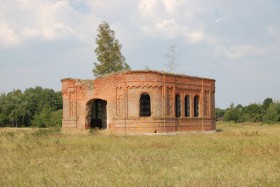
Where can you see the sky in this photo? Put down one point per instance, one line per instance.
(235, 42)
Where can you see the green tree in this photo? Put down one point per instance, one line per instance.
(3, 118)
(266, 104)
(19, 108)
(56, 118)
(273, 113)
(219, 113)
(14, 109)
(253, 112)
(48, 118)
(108, 52)
(37, 98)
(43, 118)
(232, 114)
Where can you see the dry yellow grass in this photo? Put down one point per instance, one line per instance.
(238, 155)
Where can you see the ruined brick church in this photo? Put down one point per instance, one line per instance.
(140, 102)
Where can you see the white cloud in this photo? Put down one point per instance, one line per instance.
(148, 7)
(171, 6)
(22, 20)
(172, 19)
(171, 29)
(239, 51)
(167, 28)
(29, 33)
(196, 36)
(8, 37)
(52, 20)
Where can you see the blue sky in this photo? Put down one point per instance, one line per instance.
(236, 42)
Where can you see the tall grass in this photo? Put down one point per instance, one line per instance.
(238, 155)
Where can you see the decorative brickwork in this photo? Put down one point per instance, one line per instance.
(113, 102)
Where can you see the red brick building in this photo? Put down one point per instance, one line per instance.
(140, 102)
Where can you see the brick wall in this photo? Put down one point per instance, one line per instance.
(122, 92)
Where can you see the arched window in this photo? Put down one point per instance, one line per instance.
(178, 106)
(187, 106)
(196, 106)
(145, 105)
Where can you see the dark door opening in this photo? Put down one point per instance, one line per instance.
(97, 114)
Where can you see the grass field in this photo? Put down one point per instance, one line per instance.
(238, 155)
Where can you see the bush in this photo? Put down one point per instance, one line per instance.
(272, 114)
(48, 118)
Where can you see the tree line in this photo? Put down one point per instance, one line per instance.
(41, 107)
(266, 112)
(33, 107)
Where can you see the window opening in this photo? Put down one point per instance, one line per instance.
(187, 106)
(178, 105)
(145, 105)
(196, 106)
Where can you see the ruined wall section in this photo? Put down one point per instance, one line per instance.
(106, 89)
(122, 93)
(75, 94)
(69, 97)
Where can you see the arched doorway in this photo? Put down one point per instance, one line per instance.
(97, 113)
